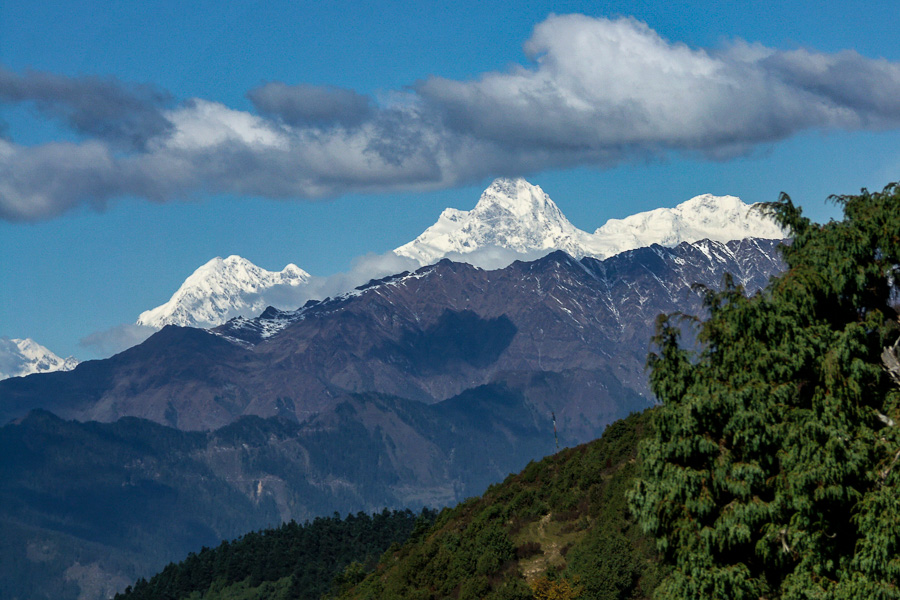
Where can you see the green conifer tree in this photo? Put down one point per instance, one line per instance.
(773, 469)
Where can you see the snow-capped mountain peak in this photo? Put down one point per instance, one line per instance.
(20, 357)
(221, 289)
(519, 198)
(511, 214)
(718, 218)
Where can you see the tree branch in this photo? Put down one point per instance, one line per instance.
(891, 361)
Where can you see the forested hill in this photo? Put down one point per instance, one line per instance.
(773, 469)
(293, 561)
(559, 529)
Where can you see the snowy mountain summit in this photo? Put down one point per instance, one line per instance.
(516, 216)
(716, 218)
(511, 214)
(21, 357)
(222, 289)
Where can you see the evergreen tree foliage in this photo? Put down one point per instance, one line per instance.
(772, 471)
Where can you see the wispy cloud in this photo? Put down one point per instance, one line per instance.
(593, 92)
(115, 339)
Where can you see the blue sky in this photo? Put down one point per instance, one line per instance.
(610, 107)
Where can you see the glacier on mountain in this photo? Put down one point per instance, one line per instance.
(21, 357)
(511, 214)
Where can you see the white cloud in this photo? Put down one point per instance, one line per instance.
(601, 84)
(364, 269)
(494, 257)
(201, 125)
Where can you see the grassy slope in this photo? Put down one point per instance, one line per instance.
(561, 524)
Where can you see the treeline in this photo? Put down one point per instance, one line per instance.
(303, 559)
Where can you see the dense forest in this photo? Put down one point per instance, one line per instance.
(294, 560)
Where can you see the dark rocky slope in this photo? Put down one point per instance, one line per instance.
(569, 336)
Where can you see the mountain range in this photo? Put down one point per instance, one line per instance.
(415, 389)
(512, 216)
(570, 336)
(513, 220)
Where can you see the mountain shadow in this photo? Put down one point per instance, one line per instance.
(456, 338)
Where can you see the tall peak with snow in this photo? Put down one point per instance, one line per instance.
(21, 357)
(519, 198)
(511, 214)
(221, 289)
